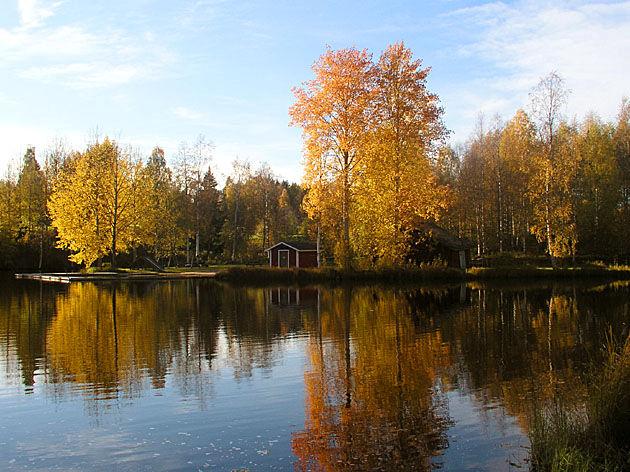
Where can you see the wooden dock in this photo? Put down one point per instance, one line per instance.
(69, 277)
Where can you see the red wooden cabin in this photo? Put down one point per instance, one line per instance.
(302, 254)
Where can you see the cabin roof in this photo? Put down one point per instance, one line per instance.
(444, 237)
(301, 246)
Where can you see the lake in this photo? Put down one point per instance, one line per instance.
(198, 375)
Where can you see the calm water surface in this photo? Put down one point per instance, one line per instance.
(195, 375)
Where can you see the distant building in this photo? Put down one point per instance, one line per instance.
(430, 242)
(298, 254)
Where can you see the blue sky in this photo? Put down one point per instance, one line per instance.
(158, 72)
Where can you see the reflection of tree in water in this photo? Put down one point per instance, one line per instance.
(376, 354)
(372, 402)
(428, 307)
(25, 312)
(523, 346)
(112, 341)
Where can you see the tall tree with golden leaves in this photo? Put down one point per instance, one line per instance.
(552, 193)
(163, 231)
(334, 111)
(517, 148)
(96, 204)
(408, 129)
(547, 101)
(622, 153)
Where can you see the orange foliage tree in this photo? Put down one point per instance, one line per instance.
(335, 112)
(370, 130)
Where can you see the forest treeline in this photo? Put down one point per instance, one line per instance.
(541, 183)
(377, 165)
(106, 200)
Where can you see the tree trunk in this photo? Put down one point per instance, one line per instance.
(346, 217)
(197, 247)
(548, 219)
(319, 239)
(41, 248)
(235, 226)
(114, 247)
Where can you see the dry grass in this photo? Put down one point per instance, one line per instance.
(594, 436)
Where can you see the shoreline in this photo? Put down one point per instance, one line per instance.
(425, 274)
(267, 275)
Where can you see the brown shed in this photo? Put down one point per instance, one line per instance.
(294, 254)
(430, 241)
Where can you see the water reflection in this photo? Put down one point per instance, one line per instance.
(385, 377)
(372, 396)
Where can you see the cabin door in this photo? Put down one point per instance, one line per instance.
(283, 258)
(462, 259)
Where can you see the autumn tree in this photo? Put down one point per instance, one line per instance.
(161, 219)
(517, 148)
(233, 206)
(286, 220)
(334, 111)
(189, 171)
(96, 204)
(598, 189)
(475, 184)
(265, 192)
(398, 156)
(547, 101)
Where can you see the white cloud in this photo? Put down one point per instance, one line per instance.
(19, 46)
(85, 75)
(188, 114)
(586, 43)
(78, 56)
(34, 12)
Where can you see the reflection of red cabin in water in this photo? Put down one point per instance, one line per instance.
(289, 296)
(302, 254)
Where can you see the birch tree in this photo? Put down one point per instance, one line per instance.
(334, 111)
(398, 157)
(548, 99)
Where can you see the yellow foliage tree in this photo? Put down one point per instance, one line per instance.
(369, 131)
(160, 221)
(97, 201)
(333, 110)
(398, 185)
(551, 190)
(517, 148)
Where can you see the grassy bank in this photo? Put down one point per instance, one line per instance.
(594, 436)
(330, 275)
(426, 273)
(531, 272)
